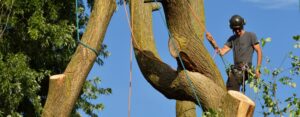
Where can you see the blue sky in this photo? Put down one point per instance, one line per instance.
(278, 19)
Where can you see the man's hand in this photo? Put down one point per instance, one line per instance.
(211, 40)
(209, 37)
(257, 73)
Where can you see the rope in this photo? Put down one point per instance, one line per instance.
(181, 62)
(130, 72)
(215, 53)
(205, 30)
(180, 59)
(77, 29)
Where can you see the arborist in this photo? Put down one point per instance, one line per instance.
(243, 44)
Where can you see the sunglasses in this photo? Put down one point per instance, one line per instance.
(236, 29)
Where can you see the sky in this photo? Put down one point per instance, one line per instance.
(278, 19)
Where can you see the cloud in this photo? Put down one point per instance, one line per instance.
(275, 4)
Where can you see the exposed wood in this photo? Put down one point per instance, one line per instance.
(187, 33)
(246, 106)
(64, 90)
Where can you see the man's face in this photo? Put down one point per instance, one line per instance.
(237, 31)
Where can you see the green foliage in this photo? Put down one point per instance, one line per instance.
(267, 88)
(18, 81)
(295, 70)
(212, 113)
(91, 90)
(264, 41)
(37, 39)
(297, 39)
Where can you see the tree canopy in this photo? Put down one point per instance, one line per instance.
(37, 39)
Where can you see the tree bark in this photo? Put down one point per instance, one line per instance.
(185, 109)
(64, 89)
(202, 71)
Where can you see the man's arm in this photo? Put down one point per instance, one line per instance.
(212, 41)
(259, 59)
(224, 50)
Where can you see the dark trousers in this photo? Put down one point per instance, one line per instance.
(236, 78)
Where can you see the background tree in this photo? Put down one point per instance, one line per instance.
(279, 77)
(37, 39)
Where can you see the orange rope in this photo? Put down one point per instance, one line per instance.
(202, 25)
(197, 18)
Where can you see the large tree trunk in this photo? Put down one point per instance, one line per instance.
(202, 71)
(64, 89)
(185, 109)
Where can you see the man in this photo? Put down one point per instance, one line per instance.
(243, 44)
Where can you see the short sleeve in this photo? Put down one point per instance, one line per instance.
(254, 40)
(229, 42)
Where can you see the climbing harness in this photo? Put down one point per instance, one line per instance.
(240, 71)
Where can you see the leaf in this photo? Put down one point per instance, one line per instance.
(270, 109)
(297, 45)
(294, 85)
(288, 99)
(263, 42)
(268, 39)
(255, 89)
(296, 38)
(266, 71)
(268, 60)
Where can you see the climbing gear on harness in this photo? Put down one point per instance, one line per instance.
(240, 72)
(237, 22)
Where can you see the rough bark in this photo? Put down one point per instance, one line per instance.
(181, 23)
(202, 71)
(185, 109)
(65, 88)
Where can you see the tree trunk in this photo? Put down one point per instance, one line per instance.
(64, 89)
(201, 70)
(185, 109)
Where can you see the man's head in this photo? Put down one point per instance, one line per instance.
(237, 23)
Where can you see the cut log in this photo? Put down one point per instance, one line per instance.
(173, 47)
(64, 90)
(246, 106)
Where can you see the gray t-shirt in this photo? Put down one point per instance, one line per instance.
(242, 47)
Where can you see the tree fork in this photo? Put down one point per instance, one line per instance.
(65, 89)
(187, 33)
(209, 87)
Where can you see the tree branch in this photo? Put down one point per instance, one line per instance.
(66, 88)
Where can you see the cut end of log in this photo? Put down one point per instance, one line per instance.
(59, 76)
(246, 106)
(173, 47)
(240, 96)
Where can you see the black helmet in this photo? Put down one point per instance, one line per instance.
(236, 21)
